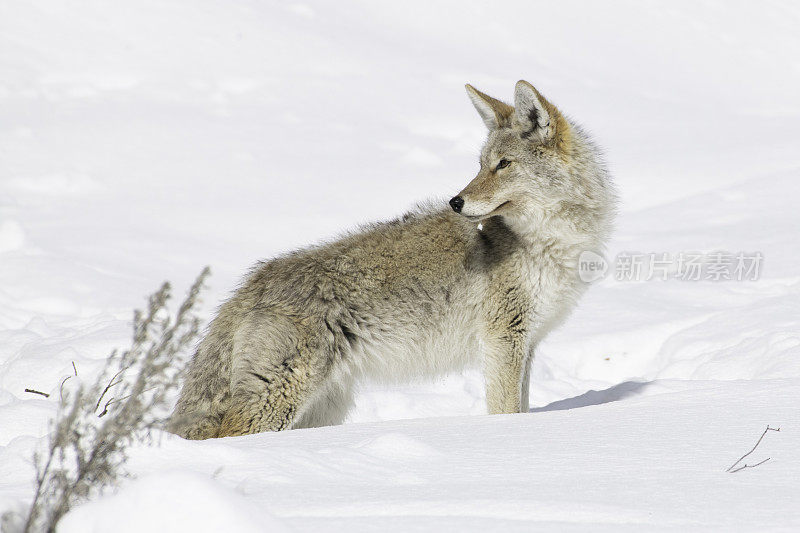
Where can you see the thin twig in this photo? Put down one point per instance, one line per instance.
(105, 407)
(116, 400)
(742, 458)
(749, 466)
(111, 383)
(32, 391)
(61, 388)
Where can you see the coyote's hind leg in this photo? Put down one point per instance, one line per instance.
(270, 401)
(278, 368)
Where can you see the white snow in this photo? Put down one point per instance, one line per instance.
(173, 501)
(142, 140)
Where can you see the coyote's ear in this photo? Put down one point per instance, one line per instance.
(495, 114)
(534, 116)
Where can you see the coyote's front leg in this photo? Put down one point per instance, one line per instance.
(507, 360)
(507, 373)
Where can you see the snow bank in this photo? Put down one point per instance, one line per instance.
(173, 501)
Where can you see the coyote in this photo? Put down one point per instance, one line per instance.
(481, 280)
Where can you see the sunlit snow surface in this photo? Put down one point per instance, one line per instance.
(142, 140)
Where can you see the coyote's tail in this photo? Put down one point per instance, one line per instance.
(205, 395)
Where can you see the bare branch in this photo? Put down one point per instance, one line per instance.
(86, 451)
(749, 466)
(111, 383)
(732, 469)
(61, 388)
(32, 391)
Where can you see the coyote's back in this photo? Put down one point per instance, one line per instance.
(421, 295)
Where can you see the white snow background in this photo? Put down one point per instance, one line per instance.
(140, 141)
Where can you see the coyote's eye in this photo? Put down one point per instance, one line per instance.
(502, 164)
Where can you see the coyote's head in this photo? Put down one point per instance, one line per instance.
(535, 165)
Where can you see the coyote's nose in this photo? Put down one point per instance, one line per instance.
(457, 203)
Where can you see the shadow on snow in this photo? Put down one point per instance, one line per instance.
(595, 397)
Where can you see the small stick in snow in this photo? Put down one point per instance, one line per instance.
(749, 466)
(732, 469)
(32, 391)
(111, 383)
(61, 388)
(105, 407)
